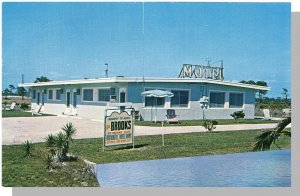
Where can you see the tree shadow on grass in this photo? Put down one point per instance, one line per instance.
(130, 147)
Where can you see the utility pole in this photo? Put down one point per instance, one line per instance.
(106, 70)
(22, 78)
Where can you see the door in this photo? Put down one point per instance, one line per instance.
(68, 99)
(74, 99)
(43, 98)
(122, 97)
(38, 98)
(122, 100)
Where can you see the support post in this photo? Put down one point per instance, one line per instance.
(104, 130)
(162, 133)
(133, 124)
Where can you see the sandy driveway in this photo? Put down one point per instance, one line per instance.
(35, 129)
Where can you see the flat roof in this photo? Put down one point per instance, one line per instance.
(148, 80)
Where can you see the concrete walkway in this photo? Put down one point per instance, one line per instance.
(35, 129)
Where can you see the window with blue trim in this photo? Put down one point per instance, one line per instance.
(217, 99)
(236, 100)
(87, 94)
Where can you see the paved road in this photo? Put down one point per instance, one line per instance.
(35, 129)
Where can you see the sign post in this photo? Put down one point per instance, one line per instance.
(118, 128)
(162, 133)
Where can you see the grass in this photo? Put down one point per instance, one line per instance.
(200, 122)
(18, 113)
(176, 145)
(19, 171)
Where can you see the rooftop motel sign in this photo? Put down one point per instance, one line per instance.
(200, 71)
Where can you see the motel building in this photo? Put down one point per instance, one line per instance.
(89, 98)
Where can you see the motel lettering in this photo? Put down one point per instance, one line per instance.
(200, 71)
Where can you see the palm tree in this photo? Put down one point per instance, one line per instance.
(60, 144)
(70, 131)
(11, 88)
(21, 91)
(265, 139)
(285, 94)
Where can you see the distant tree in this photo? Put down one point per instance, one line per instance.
(11, 88)
(21, 91)
(248, 82)
(259, 83)
(251, 82)
(285, 94)
(261, 92)
(6, 92)
(42, 79)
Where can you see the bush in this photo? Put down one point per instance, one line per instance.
(24, 106)
(238, 115)
(27, 149)
(210, 125)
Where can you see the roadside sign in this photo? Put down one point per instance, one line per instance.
(118, 129)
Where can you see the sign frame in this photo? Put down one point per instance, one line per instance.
(119, 112)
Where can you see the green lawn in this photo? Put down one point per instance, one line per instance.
(17, 113)
(18, 171)
(200, 122)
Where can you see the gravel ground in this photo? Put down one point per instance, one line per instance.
(35, 129)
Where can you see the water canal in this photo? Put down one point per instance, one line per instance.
(252, 169)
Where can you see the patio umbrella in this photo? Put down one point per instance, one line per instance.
(157, 94)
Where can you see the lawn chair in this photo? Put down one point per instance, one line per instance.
(171, 116)
(267, 115)
(12, 107)
(286, 112)
(37, 110)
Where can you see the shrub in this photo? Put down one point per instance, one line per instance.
(210, 125)
(24, 106)
(59, 144)
(49, 160)
(238, 115)
(28, 149)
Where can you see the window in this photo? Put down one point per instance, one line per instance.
(104, 95)
(236, 100)
(180, 98)
(151, 101)
(154, 101)
(217, 99)
(33, 94)
(50, 94)
(78, 91)
(58, 94)
(87, 94)
(112, 91)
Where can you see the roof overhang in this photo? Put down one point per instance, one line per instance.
(148, 80)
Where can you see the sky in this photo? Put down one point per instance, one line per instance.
(65, 41)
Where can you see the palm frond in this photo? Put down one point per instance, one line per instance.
(266, 138)
(50, 140)
(69, 130)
